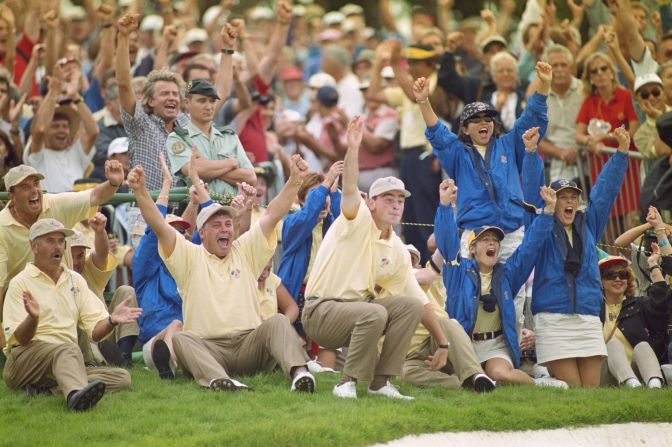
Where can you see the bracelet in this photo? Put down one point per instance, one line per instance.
(227, 51)
(163, 196)
(294, 182)
(107, 25)
(446, 346)
(663, 243)
(113, 185)
(422, 101)
(434, 266)
(534, 149)
(109, 320)
(659, 230)
(651, 269)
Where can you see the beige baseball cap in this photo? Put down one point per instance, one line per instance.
(46, 226)
(79, 240)
(212, 210)
(387, 184)
(19, 173)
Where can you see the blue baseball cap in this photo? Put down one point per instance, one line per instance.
(475, 108)
(327, 96)
(561, 184)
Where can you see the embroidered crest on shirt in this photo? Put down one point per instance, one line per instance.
(178, 147)
(235, 273)
(384, 262)
(503, 158)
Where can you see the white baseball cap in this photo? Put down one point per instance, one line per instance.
(648, 78)
(387, 184)
(319, 80)
(333, 17)
(117, 146)
(152, 22)
(195, 35)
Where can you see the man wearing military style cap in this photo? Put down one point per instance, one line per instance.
(222, 161)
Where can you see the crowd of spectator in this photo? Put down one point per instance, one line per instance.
(458, 201)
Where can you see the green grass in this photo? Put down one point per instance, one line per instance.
(180, 413)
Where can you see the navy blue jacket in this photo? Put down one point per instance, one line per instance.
(557, 291)
(490, 191)
(463, 282)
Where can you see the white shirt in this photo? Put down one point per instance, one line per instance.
(60, 168)
(350, 97)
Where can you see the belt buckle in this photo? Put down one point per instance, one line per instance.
(490, 335)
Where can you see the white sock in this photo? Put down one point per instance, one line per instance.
(633, 383)
(655, 382)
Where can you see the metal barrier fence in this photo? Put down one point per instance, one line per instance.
(625, 212)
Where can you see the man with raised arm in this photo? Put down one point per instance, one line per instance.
(362, 285)
(223, 332)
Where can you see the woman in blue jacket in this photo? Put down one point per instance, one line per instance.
(302, 233)
(486, 166)
(567, 292)
(480, 291)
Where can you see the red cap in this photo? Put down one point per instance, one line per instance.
(291, 74)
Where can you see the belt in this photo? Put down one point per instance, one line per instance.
(482, 336)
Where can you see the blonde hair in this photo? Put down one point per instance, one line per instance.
(631, 289)
(588, 88)
(155, 76)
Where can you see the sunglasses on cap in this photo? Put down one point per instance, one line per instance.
(478, 120)
(655, 92)
(603, 69)
(613, 275)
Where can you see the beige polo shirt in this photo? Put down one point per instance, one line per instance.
(219, 296)
(64, 306)
(436, 292)
(68, 208)
(353, 261)
(268, 296)
(97, 278)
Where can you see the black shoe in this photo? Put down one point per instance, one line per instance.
(127, 360)
(111, 353)
(228, 385)
(87, 397)
(483, 383)
(34, 391)
(161, 359)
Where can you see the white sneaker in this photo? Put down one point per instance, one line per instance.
(347, 390)
(482, 383)
(655, 382)
(540, 371)
(632, 383)
(303, 382)
(390, 390)
(551, 382)
(315, 367)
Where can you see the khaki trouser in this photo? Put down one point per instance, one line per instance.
(274, 342)
(89, 349)
(359, 325)
(48, 364)
(618, 369)
(462, 360)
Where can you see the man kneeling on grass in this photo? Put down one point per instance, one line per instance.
(43, 307)
(223, 332)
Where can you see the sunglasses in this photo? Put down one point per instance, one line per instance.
(596, 70)
(612, 275)
(478, 120)
(655, 92)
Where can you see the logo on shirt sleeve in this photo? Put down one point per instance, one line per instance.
(178, 147)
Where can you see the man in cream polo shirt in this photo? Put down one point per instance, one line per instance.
(362, 285)
(223, 332)
(45, 304)
(27, 204)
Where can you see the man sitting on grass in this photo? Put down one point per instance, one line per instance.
(43, 307)
(362, 285)
(223, 332)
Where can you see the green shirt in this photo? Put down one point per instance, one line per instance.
(221, 145)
